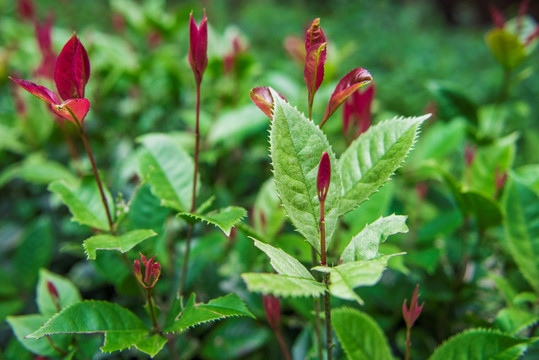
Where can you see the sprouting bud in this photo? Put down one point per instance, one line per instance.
(272, 308)
(198, 47)
(410, 315)
(72, 70)
(357, 113)
(53, 292)
(262, 98)
(151, 273)
(351, 82)
(324, 176)
(315, 58)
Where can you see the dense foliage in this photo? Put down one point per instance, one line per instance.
(149, 208)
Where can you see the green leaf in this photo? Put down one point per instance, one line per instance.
(35, 251)
(26, 324)
(453, 102)
(521, 223)
(224, 219)
(507, 49)
(374, 156)
(364, 246)
(194, 314)
(235, 125)
(68, 294)
(512, 321)
(282, 285)
(36, 169)
(268, 214)
(152, 344)
(346, 277)
(168, 169)
(121, 243)
(360, 335)
(283, 263)
(482, 344)
(296, 145)
(89, 317)
(84, 201)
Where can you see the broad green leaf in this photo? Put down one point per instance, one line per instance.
(364, 246)
(168, 169)
(121, 243)
(146, 211)
(35, 251)
(36, 169)
(67, 292)
(84, 201)
(296, 146)
(26, 324)
(507, 49)
(234, 126)
(283, 263)
(282, 285)
(521, 223)
(224, 219)
(374, 156)
(97, 317)
(482, 344)
(223, 307)
(486, 211)
(346, 277)
(512, 320)
(360, 335)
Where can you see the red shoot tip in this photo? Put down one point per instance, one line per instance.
(151, 273)
(198, 47)
(324, 177)
(315, 58)
(272, 308)
(72, 70)
(410, 315)
(262, 98)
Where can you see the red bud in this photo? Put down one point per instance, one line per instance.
(272, 308)
(315, 58)
(410, 315)
(151, 273)
(262, 98)
(72, 70)
(198, 47)
(497, 17)
(324, 177)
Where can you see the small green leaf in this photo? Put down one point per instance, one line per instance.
(152, 344)
(168, 169)
(194, 314)
(521, 223)
(84, 201)
(121, 243)
(297, 145)
(364, 246)
(512, 321)
(374, 156)
(346, 277)
(125, 329)
(283, 263)
(26, 324)
(268, 214)
(360, 335)
(68, 294)
(482, 344)
(282, 285)
(224, 219)
(507, 49)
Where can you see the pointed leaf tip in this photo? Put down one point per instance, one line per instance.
(37, 90)
(262, 98)
(72, 70)
(352, 81)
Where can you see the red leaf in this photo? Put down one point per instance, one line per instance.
(198, 47)
(72, 70)
(497, 17)
(314, 35)
(324, 176)
(262, 98)
(314, 68)
(37, 90)
(349, 83)
(73, 107)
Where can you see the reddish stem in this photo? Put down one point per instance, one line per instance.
(282, 344)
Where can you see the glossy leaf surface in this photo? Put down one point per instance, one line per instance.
(122, 243)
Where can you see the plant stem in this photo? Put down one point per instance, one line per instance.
(97, 179)
(56, 348)
(282, 344)
(504, 86)
(155, 327)
(327, 304)
(193, 195)
(316, 304)
(408, 344)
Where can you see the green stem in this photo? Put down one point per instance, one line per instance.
(316, 304)
(504, 86)
(155, 327)
(408, 344)
(185, 260)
